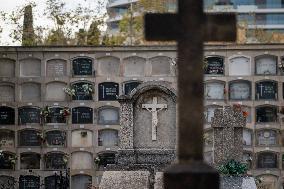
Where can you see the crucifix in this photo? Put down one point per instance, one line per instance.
(190, 27)
(154, 108)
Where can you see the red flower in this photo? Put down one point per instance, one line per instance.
(245, 114)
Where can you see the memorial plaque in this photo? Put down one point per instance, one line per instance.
(7, 67)
(29, 138)
(55, 116)
(267, 137)
(5, 162)
(29, 115)
(128, 87)
(239, 66)
(266, 114)
(7, 115)
(108, 116)
(240, 90)
(266, 90)
(247, 137)
(56, 68)
(82, 115)
(30, 161)
(106, 158)
(214, 65)
(29, 182)
(108, 91)
(7, 182)
(55, 138)
(81, 93)
(49, 182)
(82, 66)
(108, 138)
(7, 138)
(266, 65)
(55, 161)
(214, 91)
(267, 160)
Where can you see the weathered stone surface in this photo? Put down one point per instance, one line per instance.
(229, 182)
(228, 126)
(125, 180)
(159, 180)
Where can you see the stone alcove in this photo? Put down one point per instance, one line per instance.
(161, 65)
(82, 160)
(82, 138)
(54, 91)
(30, 91)
(7, 92)
(109, 66)
(56, 68)
(7, 67)
(30, 67)
(81, 181)
(134, 66)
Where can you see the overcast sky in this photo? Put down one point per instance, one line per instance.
(10, 5)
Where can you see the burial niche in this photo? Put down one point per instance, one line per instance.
(266, 160)
(81, 181)
(29, 115)
(266, 65)
(29, 182)
(106, 158)
(83, 91)
(214, 65)
(7, 115)
(30, 92)
(239, 66)
(214, 90)
(56, 68)
(108, 91)
(109, 65)
(54, 91)
(82, 66)
(7, 182)
(129, 86)
(30, 67)
(29, 137)
(108, 116)
(82, 160)
(7, 139)
(208, 157)
(134, 66)
(55, 138)
(30, 160)
(56, 115)
(240, 90)
(7, 92)
(108, 138)
(247, 137)
(54, 181)
(82, 115)
(209, 113)
(7, 160)
(161, 65)
(82, 138)
(266, 90)
(7, 67)
(267, 137)
(55, 160)
(247, 159)
(266, 114)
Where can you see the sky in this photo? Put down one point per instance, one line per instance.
(10, 5)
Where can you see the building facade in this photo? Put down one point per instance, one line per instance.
(59, 117)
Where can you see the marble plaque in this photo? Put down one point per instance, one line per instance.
(80, 93)
(266, 114)
(55, 116)
(214, 91)
(161, 65)
(29, 115)
(239, 66)
(55, 161)
(266, 65)
(108, 91)
(29, 138)
(55, 138)
(108, 116)
(29, 182)
(215, 65)
(108, 138)
(266, 90)
(7, 115)
(240, 91)
(30, 161)
(267, 160)
(128, 87)
(134, 66)
(82, 66)
(82, 115)
(56, 68)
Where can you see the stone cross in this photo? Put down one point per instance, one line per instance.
(227, 125)
(190, 27)
(154, 109)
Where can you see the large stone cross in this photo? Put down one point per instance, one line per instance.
(154, 109)
(190, 28)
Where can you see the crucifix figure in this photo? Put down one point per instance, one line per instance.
(190, 27)
(154, 108)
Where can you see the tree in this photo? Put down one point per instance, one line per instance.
(93, 35)
(28, 37)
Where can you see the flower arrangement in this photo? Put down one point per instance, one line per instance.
(232, 167)
(87, 88)
(44, 112)
(69, 91)
(238, 107)
(41, 137)
(13, 159)
(97, 160)
(65, 112)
